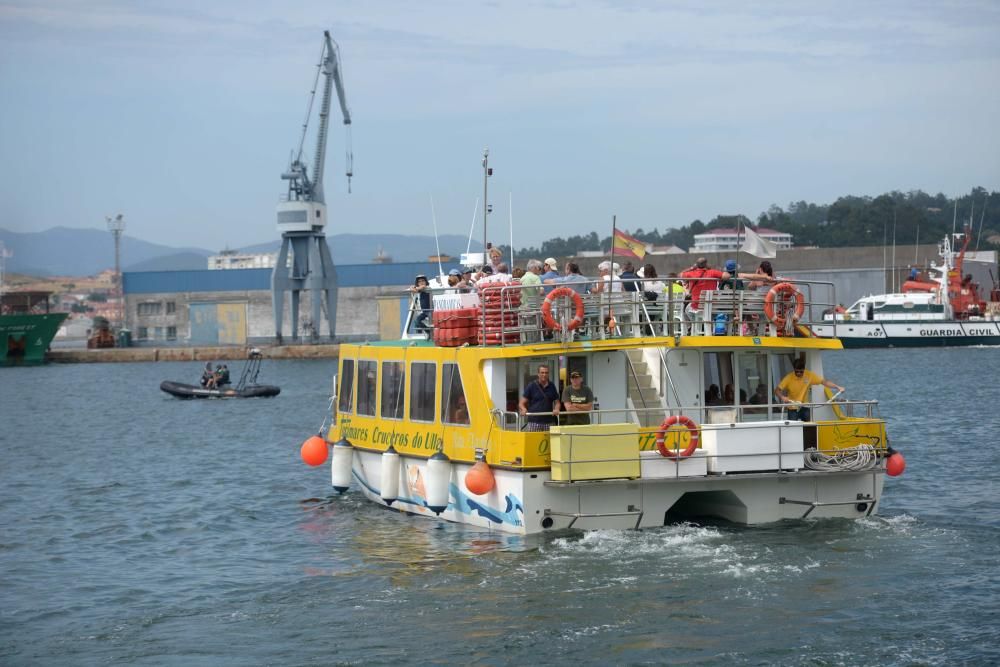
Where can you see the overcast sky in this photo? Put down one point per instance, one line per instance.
(182, 115)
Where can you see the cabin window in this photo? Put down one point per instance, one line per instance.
(719, 388)
(346, 386)
(423, 381)
(454, 409)
(367, 384)
(393, 378)
(753, 386)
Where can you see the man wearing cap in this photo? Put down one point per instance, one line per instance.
(733, 282)
(454, 277)
(465, 283)
(550, 270)
(578, 401)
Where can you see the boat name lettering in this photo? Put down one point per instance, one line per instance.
(981, 332)
(390, 438)
(18, 327)
(428, 440)
(352, 432)
(940, 332)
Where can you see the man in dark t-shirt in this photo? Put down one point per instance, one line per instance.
(578, 401)
(540, 396)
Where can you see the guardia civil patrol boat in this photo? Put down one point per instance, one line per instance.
(945, 307)
(684, 423)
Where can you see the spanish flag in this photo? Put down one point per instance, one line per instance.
(628, 246)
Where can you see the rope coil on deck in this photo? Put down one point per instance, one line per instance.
(862, 457)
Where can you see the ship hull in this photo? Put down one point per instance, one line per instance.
(528, 502)
(24, 339)
(916, 333)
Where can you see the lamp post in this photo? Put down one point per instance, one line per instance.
(116, 226)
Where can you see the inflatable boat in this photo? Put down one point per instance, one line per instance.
(247, 386)
(181, 390)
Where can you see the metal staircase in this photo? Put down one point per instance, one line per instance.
(642, 394)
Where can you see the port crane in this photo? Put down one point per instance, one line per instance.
(302, 213)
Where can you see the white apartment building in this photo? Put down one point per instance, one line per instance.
(723, 240)
(234, 259)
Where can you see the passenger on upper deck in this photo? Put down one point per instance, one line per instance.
(764, 277)
(550, 269)
(607, 281)
(501, 275)
(465, 284)
(628, 278)
(532, 282)
(421, 287)
(733, 282)
(700, 278)
(454, 278)
(794, 388)
(572, 279)
(540, 397)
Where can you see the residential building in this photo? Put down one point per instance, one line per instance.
(726, 240)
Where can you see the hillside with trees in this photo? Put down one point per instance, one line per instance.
(851, 221)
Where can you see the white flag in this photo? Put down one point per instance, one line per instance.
(758, 247)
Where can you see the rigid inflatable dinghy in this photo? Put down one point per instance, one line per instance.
(247, 387)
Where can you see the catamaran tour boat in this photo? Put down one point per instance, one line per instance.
(945, 308)
(684, 422)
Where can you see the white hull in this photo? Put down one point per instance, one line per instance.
(912, 333)
(528, 502)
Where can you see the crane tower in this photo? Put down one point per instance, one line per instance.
(302, 214)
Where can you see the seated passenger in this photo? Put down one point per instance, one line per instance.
(221, 375)
(207, 375)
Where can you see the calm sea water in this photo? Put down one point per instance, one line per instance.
(137, 529)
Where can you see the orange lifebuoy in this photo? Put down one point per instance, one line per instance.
(558, 292)
(783, 291)
(687, 423)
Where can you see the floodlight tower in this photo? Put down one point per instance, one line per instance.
(302, 214)
(116, 226)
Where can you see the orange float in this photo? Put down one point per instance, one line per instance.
(479, 480)
(314, 451)
(687, 423)
(779, 295)
(557, 293)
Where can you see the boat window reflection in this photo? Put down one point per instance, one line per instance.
(367, 384)
(346, 399)
(393, 379)
(423, 382)
(454, 408)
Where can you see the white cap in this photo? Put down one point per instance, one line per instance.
(551, 261)
(604, 266)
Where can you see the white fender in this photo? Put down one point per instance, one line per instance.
(340, 467)
(389, 479)
(438, 482)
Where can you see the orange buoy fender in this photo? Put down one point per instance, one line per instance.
(687, 423)
(559, 292)
(479, 480)
(895, 465)
(313, 451)
(783, 290)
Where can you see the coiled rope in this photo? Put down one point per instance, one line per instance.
(862, 457)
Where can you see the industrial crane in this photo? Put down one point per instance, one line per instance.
(302, 213)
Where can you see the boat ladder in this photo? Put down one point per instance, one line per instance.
(632, 511)
(862, 501)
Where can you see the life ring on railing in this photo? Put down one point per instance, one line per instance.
(771, 302)
(687, 423)
(550, 321)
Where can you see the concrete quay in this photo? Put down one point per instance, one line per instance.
(218, 353)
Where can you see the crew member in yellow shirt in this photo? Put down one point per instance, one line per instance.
(794, 388)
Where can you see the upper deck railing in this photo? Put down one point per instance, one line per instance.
(509, 313)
